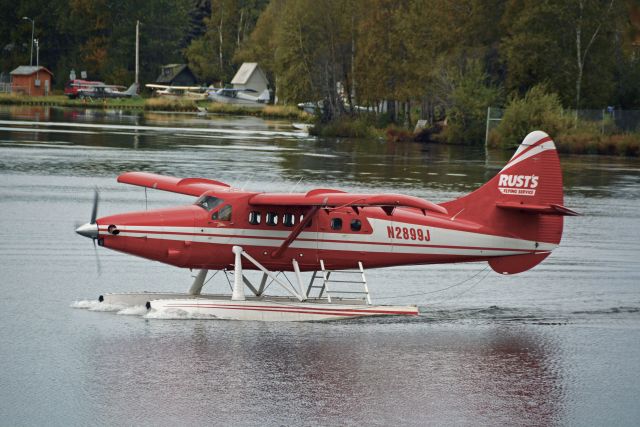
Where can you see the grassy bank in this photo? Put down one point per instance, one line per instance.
(160, 104)
(625, 144)
(362, 126)
(586, 140)
(369, 125)
(583, 138)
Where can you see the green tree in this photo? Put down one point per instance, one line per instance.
(211, 56)
(471, 94)
(306, 47)
(566, 45)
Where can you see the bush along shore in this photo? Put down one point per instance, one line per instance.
(161, 104)
(536, 110)
(539, 109)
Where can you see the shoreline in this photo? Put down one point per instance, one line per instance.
(623, 144)
(581, 142)
(160, 104)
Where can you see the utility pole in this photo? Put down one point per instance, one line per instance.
(37, 63)
(33, 25)
(137, 51)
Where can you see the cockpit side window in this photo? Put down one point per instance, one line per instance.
(223, 214)
(209, 202)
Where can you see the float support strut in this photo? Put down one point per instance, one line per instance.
(196, 287)
(238, 283)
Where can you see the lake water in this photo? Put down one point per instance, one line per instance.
(557, 345)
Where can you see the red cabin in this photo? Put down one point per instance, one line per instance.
(32, 81)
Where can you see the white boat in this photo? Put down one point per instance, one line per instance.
(302, 126)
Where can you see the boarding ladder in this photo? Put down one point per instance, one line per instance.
(339, 282)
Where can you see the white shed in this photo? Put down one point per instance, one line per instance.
(250, 76)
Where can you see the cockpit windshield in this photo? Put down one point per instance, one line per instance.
(209, 202)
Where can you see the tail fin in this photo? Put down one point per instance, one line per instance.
(523, 201)
(265, 96)
(133, 90)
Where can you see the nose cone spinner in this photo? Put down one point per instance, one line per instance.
(88, 230)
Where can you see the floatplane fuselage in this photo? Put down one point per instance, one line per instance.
(514, 221)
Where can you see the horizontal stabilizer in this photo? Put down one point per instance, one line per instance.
(189, 186)
(542, 209)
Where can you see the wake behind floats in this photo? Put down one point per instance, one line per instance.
(513, 222)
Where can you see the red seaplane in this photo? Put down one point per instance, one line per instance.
(513, 222)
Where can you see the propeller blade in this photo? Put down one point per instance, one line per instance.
(94, 212)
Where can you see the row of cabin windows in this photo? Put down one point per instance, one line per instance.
(272, 218)
(289, 220)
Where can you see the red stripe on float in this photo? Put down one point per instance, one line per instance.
(309, 310)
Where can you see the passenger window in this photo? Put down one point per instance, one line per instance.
(272, 218)
(289, 219)
(308, 223)
(223, 214)
(336, 223)
(356, 225)
(255, 217)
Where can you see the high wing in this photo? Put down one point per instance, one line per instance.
(336, 198)
(189, 186)
(96, 84)
(321, 198)
(156, 86)
(88, 84)
(230, 89)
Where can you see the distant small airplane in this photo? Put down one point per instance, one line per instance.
(85, 89)
(513, 222)
(188, 92)
(72, 87)
(247, 97)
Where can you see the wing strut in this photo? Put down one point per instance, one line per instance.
(295, 232)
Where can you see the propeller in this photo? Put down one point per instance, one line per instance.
(94, 211)
(91, 229)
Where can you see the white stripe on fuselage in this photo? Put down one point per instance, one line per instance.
(442, 241)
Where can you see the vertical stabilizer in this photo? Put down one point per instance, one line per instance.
(524, 200)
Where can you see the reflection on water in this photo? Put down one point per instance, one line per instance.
(555, 345)
(330, 374)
